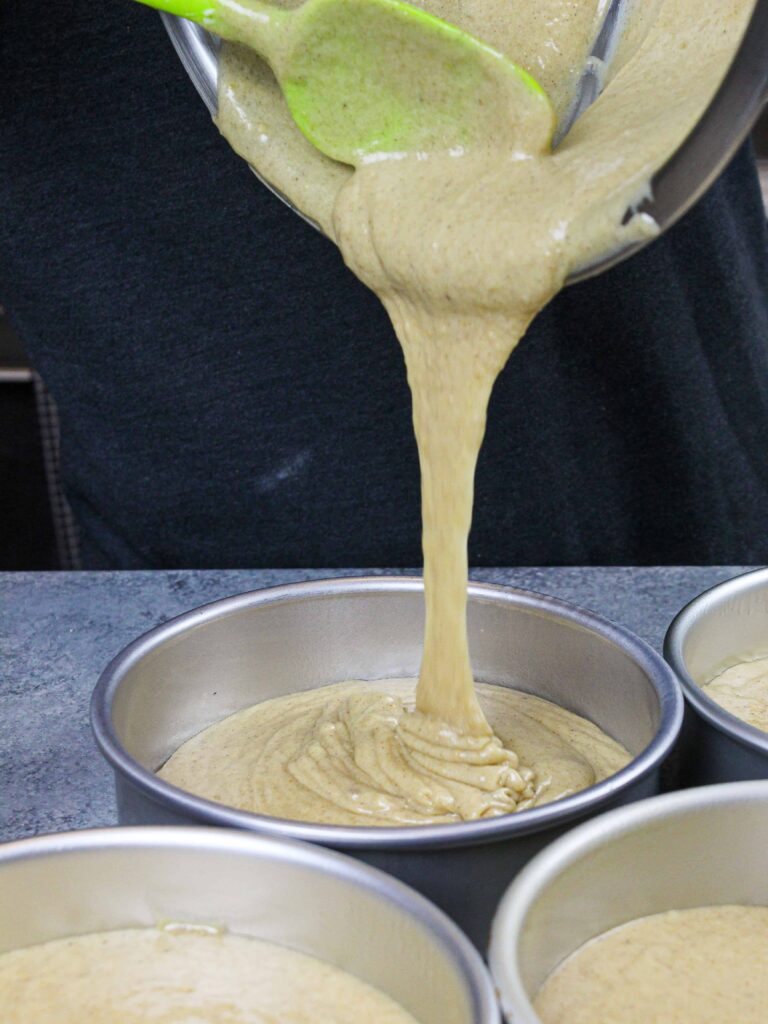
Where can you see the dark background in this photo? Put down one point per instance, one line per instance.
(27, 535)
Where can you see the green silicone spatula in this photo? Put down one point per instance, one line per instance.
(365, 79)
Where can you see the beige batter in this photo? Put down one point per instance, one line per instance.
(356, 754)
(150, 976)
(703, 966)
(464, 248)
(743, 691)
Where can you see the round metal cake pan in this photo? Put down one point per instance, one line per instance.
(675, 188)
(721, 627)
(196, 669)
(703, 847)
(308, 899)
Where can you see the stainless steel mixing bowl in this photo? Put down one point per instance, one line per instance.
(721, 627)
(209, 663)
(703, 847)
(675, 188)
(299, 896)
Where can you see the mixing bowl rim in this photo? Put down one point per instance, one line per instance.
(580, 842)
(674, 641)
(660, 677)
(465, 959)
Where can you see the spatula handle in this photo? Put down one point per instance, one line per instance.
(201, 11)
(262, 26)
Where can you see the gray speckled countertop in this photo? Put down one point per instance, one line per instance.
(58, 631)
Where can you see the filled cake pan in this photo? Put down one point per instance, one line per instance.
(722, 627)
(310, 900)
(681, 851)
(211, 662)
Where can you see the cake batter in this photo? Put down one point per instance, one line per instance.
(702, 966)
(743, 691)
(464, 249)
(161, 976)
(358, 754)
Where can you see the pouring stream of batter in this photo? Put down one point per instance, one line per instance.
(464, 249)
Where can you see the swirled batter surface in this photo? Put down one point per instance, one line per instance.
(151, 976)
(743, 691)
(702, 966)
(359, 754)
